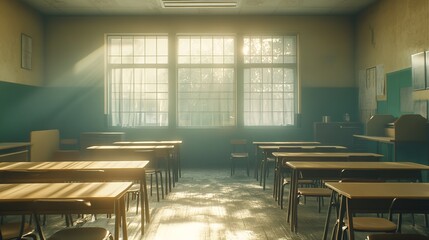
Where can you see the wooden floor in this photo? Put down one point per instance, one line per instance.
(209, 204)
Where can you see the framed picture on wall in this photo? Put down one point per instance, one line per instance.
(26, 51)
(418, 66)
(427, 69)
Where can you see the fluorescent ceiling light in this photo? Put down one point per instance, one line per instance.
(199, 3)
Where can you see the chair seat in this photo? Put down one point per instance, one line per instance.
(84, 233)
(316, 192)
(11, 230)
(396, 236)
(134, 188)
(373, 224)
(239, 155)
(300, 182)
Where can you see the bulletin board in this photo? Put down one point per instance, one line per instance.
(367, 93)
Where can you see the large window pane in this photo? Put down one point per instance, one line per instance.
(137, 74)
(269, 80)
(206, 84)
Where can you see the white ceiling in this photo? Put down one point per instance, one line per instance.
(153, 7)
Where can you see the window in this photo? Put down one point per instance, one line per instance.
(206, 81)
(269, 80)
(137, 80)
(206, 89)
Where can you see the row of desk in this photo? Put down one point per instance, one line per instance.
(316, 166)
(95, 182)
(32, 187)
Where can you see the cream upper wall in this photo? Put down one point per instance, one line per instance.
(400, 28)
(16, 18)
(75, 45)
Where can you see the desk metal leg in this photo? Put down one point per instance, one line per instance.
(256, 163)
(341, 215)
(292, 201)
(349, 222)
(328, 215)
(144, 203)
(264, 167)
(118, 217)
(123, 215)
(38, 227)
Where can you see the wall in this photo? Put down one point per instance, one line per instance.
(15, 19)
(18, 86)
(326, 43)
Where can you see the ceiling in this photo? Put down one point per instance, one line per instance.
(153, 7)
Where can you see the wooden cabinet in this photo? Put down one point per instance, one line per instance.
(337, 133)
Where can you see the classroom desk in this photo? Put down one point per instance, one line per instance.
(115, 149)
(390, 141)
(332, 170)
(268, 150)
(282, 157)
(14, 149)
(355, 196)
(33, 198)
(82, 171)
(258, 144)
(177, 168)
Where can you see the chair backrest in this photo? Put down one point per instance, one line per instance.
(238, 145)
(364, 159)
(317, 148)
(408, 205)
(348, 175)
(295, 149)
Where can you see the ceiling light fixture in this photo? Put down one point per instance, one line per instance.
(199, 3)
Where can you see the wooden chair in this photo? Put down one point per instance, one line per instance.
(309, 188)
(84, 233)
(72, 233)
(402, 205)
(368, 223)
(17, 230)
(396, 236)
(152, 169)
(239, 153)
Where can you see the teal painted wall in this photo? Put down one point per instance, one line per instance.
(395, 81)
(74, 110)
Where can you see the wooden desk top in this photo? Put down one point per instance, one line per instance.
(33, 191)
(381, 190)
(130, 147)
(376, 138)
(325, 154)
(102, 133)
(169, 142)
(80, 165)
(357, 165)
(286, 143)
(10, 145)
(269, 147)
